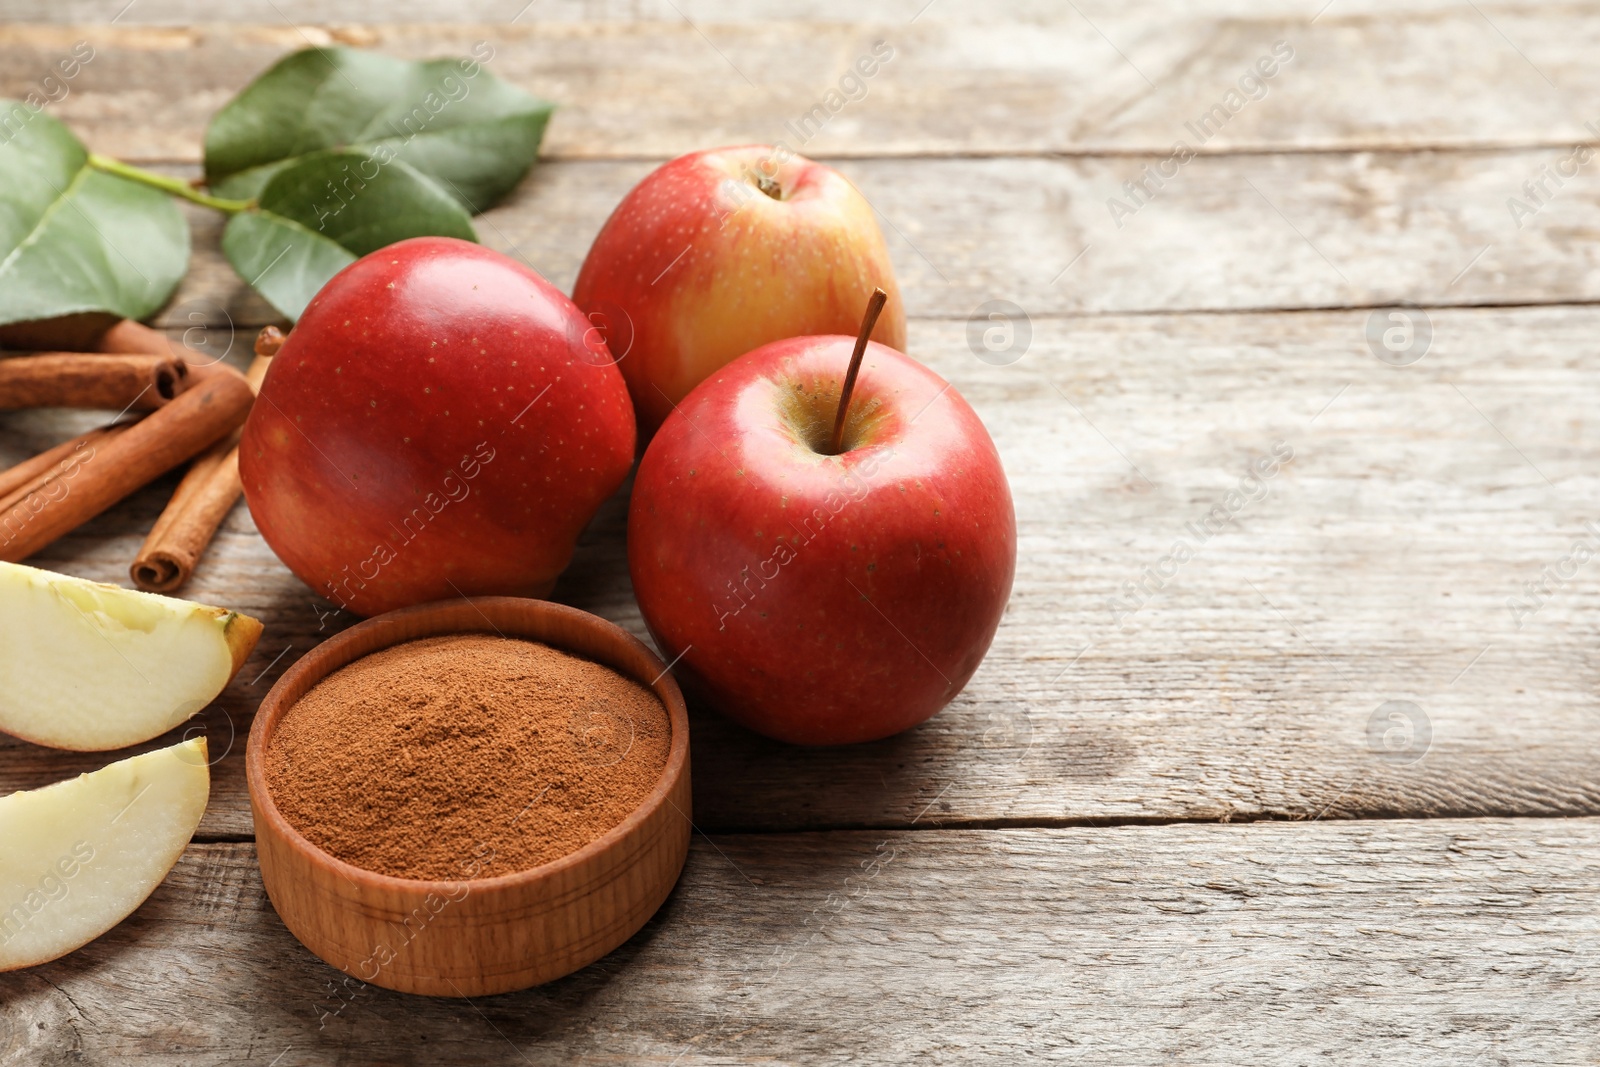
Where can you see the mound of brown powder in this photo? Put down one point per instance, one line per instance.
(465, 756)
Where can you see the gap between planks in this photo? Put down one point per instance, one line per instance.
(1109, 822)
(1090, 151)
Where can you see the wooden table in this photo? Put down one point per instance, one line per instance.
(1185, 824)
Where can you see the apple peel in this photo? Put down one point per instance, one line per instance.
(91, 667)
(78, 857)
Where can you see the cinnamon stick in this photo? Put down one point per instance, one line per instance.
(188, 523)
(131, 337)
(76, 332)
(202, 500)
(34, 516)
(268, 341)
(121, 382)
(32, 471)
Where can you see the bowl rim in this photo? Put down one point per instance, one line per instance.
(261, 794)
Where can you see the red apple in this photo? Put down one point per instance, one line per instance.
(441, 421)
(719, 252)
(816, 598)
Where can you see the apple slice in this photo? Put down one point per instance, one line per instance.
(77, 857)
(90, 667)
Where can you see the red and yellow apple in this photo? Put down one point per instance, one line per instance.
(721, 251)
(823, 598)
(440, 422)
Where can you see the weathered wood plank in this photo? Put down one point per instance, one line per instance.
(1377, 567)
(1354, 230)
(1450, 942)
(657, 79)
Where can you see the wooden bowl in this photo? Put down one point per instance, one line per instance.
(486, 935)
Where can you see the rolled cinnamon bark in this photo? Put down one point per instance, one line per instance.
(34, 516)
(180, 536)
(131, 337)
(268, 341)
(202, 500)
(122, 382)
(77, 332)
(32, 471)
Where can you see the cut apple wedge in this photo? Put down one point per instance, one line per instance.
(77, 857)
(91, 667)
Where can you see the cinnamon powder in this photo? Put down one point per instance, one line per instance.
(465, 756)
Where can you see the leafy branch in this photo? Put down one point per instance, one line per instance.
(330, 154)
(176, 186)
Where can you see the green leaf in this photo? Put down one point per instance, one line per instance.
(73, 239)
(320, 213)
(451, 119)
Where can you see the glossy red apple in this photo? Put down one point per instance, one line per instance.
(440, 422)
(817, 598)
(719, 252)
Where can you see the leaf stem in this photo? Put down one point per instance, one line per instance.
(175, 186)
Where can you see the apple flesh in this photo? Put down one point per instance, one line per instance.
(823, 599)
(721, 251)
(77, 857)
(90, 667)
(441, 422)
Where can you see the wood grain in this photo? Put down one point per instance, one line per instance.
(1378, 567)
(1434, 943)
(1232, 233)
(658, 78)
(1418, 548)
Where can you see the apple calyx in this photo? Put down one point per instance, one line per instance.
(874, 308)
(764, 182)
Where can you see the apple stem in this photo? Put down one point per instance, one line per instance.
(874, 308)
